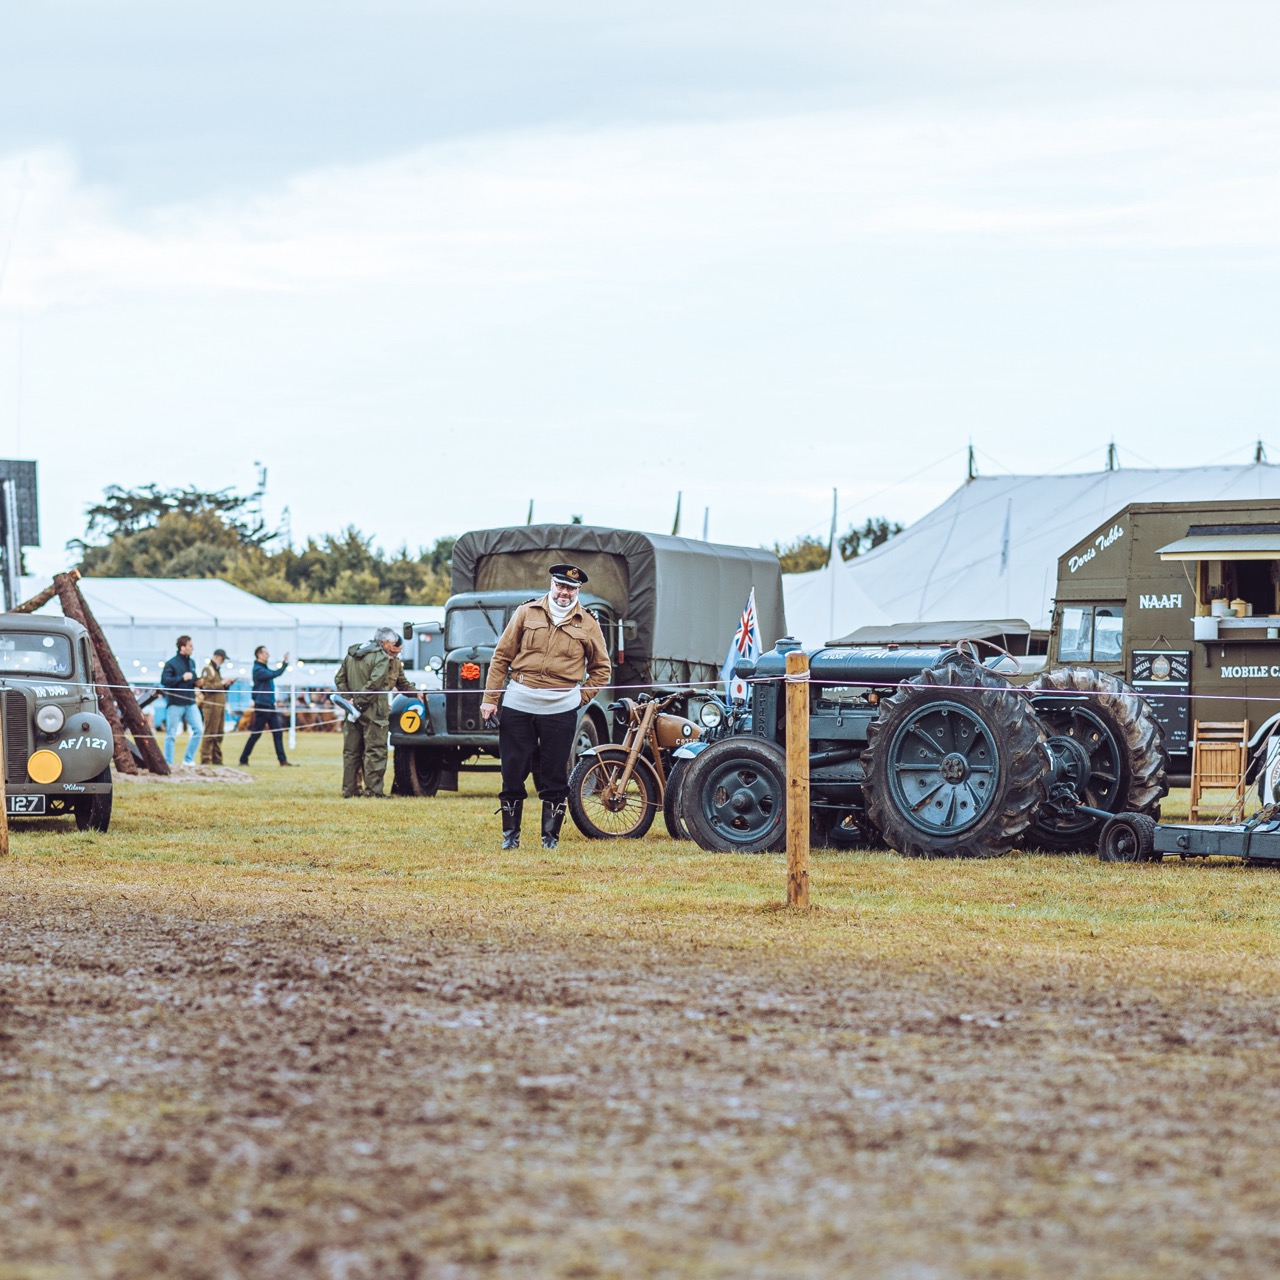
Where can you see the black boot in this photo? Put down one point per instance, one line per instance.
(552, 817)
(511, 812)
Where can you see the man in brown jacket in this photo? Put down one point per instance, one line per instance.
(213, 706)
(556, 655)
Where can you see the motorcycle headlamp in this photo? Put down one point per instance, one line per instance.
(50, 719)
(711, 714)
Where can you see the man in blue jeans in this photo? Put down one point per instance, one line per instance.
(179, 681)
(265, 715)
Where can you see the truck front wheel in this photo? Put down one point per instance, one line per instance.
(416, 772)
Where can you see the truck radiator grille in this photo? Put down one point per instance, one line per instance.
(14, 710)
(464, 696)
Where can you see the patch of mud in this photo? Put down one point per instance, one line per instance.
(288, 1096)
(189, 773)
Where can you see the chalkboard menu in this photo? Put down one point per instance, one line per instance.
(1163, 677)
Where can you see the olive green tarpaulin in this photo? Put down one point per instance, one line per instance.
(686, 597)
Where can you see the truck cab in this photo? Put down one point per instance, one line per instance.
(443, 730)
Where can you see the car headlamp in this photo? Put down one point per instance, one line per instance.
(711, 714)
(49, 719)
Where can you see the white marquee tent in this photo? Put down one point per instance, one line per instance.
(991, 549)
(143, 617)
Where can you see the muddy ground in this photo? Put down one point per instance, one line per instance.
(197, 1097)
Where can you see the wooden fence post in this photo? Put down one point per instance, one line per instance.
(797, 686)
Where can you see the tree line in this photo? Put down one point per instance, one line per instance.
(150, 532)
(190, 533)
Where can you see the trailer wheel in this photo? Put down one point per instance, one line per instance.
(734, 797)
(954, 765)
(1117, 732)
(599, 808)
(1128, 837)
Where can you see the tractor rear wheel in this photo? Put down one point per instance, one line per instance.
(954, 765)
(1108, 722)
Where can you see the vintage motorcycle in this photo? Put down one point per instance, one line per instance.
(616, 790)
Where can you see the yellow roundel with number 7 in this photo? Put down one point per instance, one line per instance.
(411, 720)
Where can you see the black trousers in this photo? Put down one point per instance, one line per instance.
(273, 720)
(540, 743)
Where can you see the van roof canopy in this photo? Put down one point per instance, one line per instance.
(1226, 542)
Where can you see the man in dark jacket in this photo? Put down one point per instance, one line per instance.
(179, 681)
(265, 715)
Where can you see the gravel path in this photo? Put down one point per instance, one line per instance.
(273, 1097)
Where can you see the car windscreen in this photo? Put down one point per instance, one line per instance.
(28, 653)
(474, 626)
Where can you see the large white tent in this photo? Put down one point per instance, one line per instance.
(326, 631)
(143, 617)
(991, 549)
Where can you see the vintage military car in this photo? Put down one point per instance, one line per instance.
(57, 744)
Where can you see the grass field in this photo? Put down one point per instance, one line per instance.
(260, 1030)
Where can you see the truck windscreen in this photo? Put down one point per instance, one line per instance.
(473, 626)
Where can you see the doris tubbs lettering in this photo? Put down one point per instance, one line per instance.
(1100, 543)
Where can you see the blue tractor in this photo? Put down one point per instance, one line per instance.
(930, 752)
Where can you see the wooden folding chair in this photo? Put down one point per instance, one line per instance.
(1219, 756)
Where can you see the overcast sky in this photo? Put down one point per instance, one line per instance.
(429, 261)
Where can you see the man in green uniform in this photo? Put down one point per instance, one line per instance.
(366, 672)
(213, 706)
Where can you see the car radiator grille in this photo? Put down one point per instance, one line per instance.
(16, 743)
(463, 698)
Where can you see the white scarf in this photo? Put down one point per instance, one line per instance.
(559, 612)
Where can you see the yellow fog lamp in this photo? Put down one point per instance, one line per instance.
(45, 766)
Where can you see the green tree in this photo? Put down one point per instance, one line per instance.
(801, 556)
(855, 541)
(189, 533)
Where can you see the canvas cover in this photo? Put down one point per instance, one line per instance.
(685, 596)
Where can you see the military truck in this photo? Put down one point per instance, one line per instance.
(57, 744)
(668, 607)
(1182, 600)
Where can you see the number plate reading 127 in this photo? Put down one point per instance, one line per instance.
(25, 804)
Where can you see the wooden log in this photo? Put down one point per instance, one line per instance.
(75, 606)
(797, 686)
(121, 755)
(41, 597)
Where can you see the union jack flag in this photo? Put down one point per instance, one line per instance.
(745, 644)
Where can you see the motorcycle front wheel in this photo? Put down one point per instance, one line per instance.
(601, 809)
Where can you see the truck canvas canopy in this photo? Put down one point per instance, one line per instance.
(684, 596)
